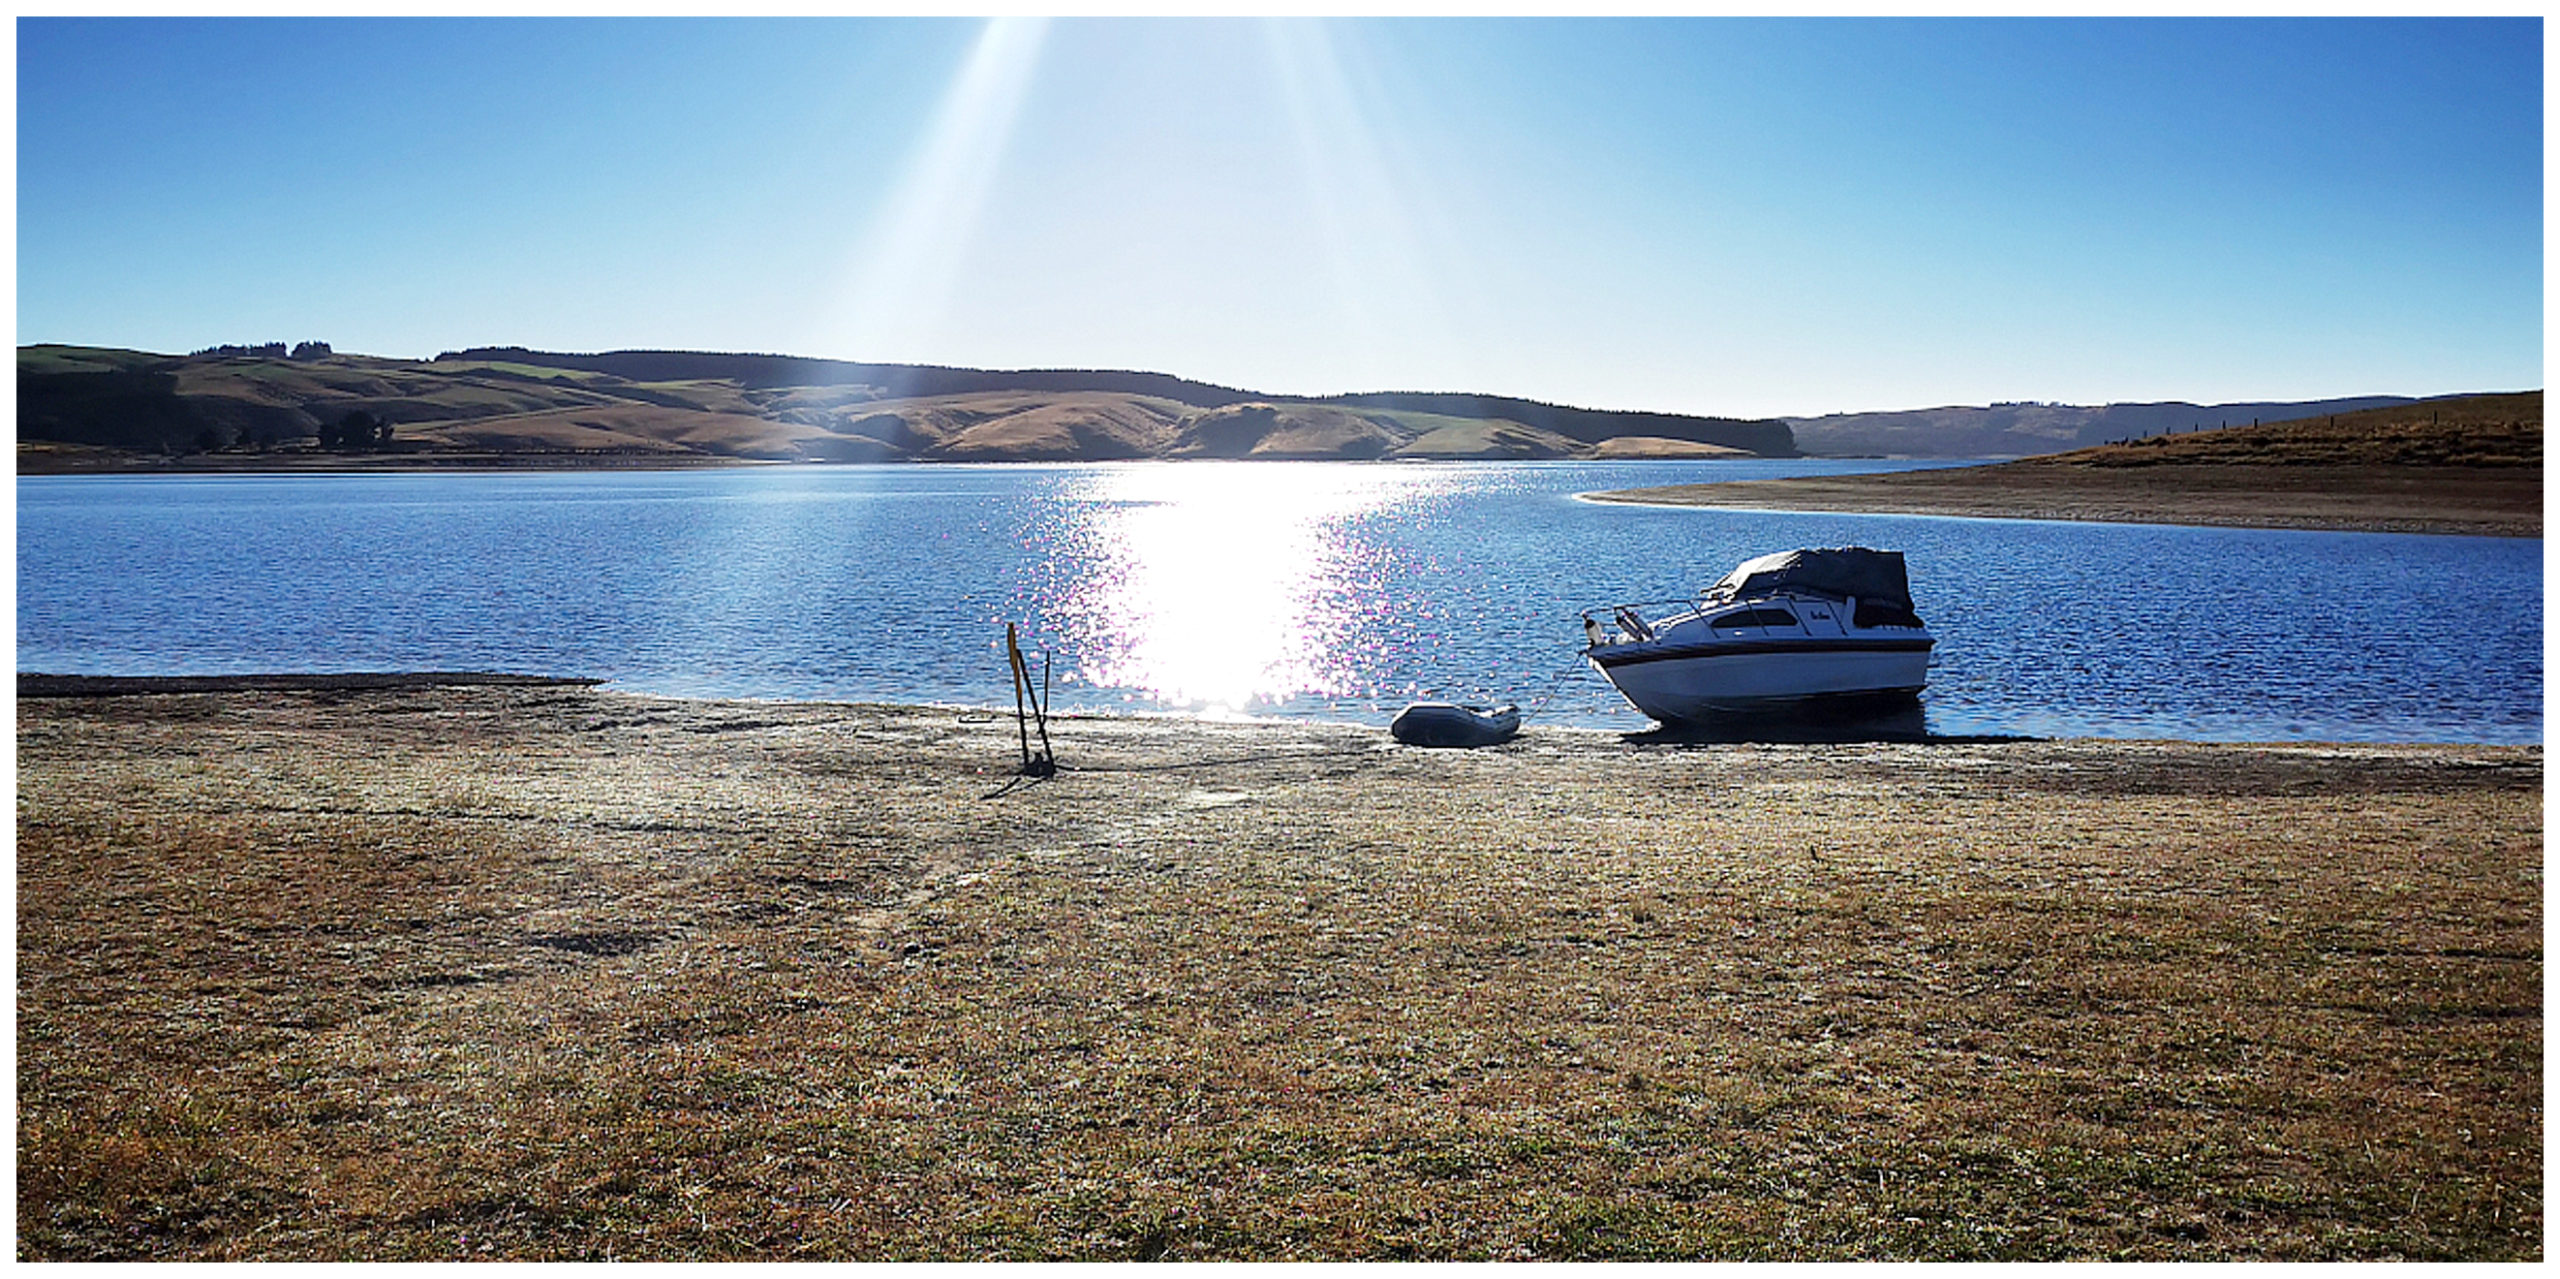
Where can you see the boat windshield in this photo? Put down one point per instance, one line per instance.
(1755, 617)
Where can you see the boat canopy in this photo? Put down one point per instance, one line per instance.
(1840, 571)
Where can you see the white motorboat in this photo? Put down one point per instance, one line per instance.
(1796, 627)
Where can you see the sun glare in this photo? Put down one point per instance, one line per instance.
(1229, 586)
(1376, 264)
(1351, 205)
(905, 270)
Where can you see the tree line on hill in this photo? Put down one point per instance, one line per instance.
(266, 351)
(356, 432)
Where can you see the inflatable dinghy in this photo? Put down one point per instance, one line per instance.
(1448, 724)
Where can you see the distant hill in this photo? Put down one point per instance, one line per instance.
(2024, 430)
(2461, 464)
(266, 405)
(2477, 431)
(1767, 438)
(269, 405)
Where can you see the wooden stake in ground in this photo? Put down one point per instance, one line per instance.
(1045, 763)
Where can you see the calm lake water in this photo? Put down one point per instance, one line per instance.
(1334, 591)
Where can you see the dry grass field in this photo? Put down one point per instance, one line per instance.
(556, 972)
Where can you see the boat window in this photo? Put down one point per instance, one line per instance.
(1874, 614)
(1755, 617)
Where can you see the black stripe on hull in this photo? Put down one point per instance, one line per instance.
(1749, 647)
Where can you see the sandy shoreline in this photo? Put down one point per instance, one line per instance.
(2369, 499)
(438, 971)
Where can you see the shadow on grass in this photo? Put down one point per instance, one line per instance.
(1899, 719)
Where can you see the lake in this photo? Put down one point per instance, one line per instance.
(1335, 591)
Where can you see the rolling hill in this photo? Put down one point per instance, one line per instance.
(2029, 429)
(243, 407)
(262, 408)
(2461, 464)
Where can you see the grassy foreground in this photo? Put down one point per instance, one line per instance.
(538, 972)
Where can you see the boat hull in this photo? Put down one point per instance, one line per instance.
(1703, 681)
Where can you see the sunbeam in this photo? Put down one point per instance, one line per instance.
(906, 268)
(1377, 264)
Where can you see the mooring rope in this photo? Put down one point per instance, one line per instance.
(1555, 683)
(1031, 708)
(1479, 695)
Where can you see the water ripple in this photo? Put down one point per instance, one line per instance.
(1326, 590)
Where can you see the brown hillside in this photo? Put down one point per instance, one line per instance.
(1654, 446)
(2470, 465)
(256, 409)
(627, 428)
(995, 426)
(1494, 441)
(2479, 430)
(1071, 427)
(1284, 431)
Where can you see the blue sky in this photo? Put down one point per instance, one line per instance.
(1744, 217)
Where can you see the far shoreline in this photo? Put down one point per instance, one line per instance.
(2441, 501)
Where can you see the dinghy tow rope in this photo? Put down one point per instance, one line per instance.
(1536, 703)
(1031, 712)
(1554, 684)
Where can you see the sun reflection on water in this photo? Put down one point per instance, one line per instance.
(1224, 588)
